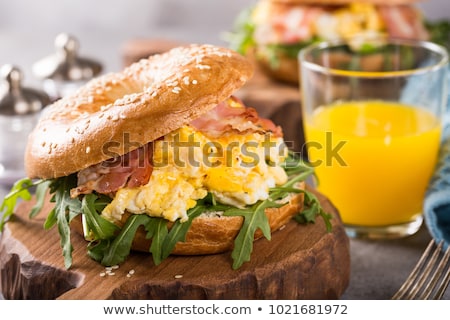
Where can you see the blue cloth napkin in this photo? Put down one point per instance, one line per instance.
(436, 208)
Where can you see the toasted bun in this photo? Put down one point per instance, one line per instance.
(342, 2)
(119, 112)
(212, 233)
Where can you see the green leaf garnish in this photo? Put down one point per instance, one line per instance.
(254, 219)
(20, 190)
(240, 38)
(97, 226)
(439, 31)
(66, 208)
(179, 230)
(120, 247)
(157, 230)
(41, 191)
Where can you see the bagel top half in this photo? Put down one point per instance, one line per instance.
(147, 100)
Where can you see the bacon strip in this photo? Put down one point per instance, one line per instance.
(403, 22)
(130, 170)
(231, 115)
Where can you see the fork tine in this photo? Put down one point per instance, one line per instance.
(437, 274)
(426, 271)
(414, 273)
(446, 280)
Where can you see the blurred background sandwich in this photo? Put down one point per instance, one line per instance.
(273, 31)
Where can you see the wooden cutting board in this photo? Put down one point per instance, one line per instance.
(300, 262)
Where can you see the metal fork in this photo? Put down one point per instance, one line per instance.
(423, 282)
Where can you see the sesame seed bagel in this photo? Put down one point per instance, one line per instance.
(125, 110)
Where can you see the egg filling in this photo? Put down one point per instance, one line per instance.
(237, 168)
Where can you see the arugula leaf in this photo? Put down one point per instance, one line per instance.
(96, 249)
(51, 220)
(66, 208)
(179, 230)
(20, 190)
(312, 208)
(120, 247)
(157, 230)
(254, 218)
(40, 193)
(439, 32)
(97, 226)
(241, 38)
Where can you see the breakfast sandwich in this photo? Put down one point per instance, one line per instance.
(164, 158)
(274, 31)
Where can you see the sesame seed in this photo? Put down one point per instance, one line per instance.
(131, 271)
(116, 266)
(202, 66)
(111, 274)
(88, 149)
(178, 276)
(282, 227)
(176, 90)
(194, 81)
(102, 274)
(172, 83)
(186, 80)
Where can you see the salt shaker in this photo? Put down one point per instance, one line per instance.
(65, 71)
(19, 111)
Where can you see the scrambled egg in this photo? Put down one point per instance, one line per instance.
(298, 23)
(238, 169)
(355, 19)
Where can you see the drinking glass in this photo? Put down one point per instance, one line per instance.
(372, 115)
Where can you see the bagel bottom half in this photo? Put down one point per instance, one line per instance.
(214, 233)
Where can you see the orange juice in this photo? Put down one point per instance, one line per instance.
(373, 159)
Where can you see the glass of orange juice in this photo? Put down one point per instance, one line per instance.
(372, 116)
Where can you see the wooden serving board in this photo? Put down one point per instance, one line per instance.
(300, 262)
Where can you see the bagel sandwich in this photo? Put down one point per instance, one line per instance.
(163, 158)
(274, 31)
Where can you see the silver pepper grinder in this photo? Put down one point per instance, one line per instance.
(65, 71)
(19, 111)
